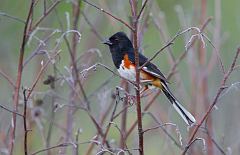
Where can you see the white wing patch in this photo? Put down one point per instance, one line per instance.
(130, 74)
(148, 71)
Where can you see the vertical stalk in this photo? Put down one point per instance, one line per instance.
(124, 120)
(203, 78)
(73, 52)
(133, 4)
(19, 78)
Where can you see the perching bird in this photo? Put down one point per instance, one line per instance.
(123, 57)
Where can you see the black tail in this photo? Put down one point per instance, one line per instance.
(187, 116)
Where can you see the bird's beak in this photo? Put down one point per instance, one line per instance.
(107, 42)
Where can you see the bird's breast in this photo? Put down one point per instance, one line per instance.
(127, 71)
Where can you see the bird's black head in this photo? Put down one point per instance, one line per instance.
(119, 42)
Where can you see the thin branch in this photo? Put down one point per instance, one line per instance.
(194, 140)
(93, 67)
(133, 4)
(156, 54)
(11, 17)
(11, 111)
(123, 110)
(166, 131)
(39, 75)
(53, 147)
(214, 141)
(118, 19)
(158, 126)
(19, 77)
(220, 90)
(25, 122)
(111, 119)
(92, 27)
(77, 141)
(45, 14)
(104, 116)
(76, 73)
(141, 11)
(122, 142)
(192, 39)
(7, 78)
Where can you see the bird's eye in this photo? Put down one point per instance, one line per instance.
(116, 39)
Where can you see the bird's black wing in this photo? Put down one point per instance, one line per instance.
(149, 67)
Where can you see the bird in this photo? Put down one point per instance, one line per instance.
(122, 51)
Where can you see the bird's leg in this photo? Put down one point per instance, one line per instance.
(145, 91)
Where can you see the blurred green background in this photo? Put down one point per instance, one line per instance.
(171, 16)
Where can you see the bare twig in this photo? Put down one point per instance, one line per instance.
(194, 140)
(39, 75)
(112, 116)
(220, 90)
(108, 13)
(123, 110)
(77, 141)
(93, 67)
(214, 141)
(133, 4)
(166, 132)
(25, 122)
(54, 147)
(11, 111)
(192, 39)
(105, 114)
(141, 11)
(7, 78)
(11, 17)
(19, 78)
(92, 27)
(45, 14)
(122, 142)
(158, 126)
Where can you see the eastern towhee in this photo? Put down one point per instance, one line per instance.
(123, 57)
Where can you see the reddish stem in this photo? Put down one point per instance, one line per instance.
(19, 78)
(220, 90)
(133, 4)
